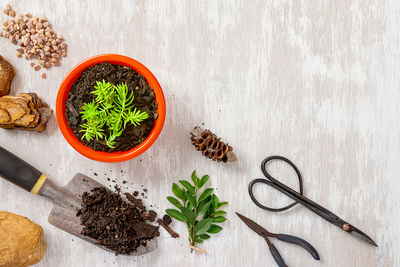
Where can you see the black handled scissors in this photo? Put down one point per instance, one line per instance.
(299, 198)
(286, 238)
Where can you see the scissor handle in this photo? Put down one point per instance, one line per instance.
(269, 181)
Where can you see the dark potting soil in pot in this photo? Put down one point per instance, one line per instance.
(144, 100)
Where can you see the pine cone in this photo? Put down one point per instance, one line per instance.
(211, 146)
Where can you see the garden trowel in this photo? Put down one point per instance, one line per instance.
(66, 200)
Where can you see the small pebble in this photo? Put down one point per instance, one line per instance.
(35, 37)
(43, 75)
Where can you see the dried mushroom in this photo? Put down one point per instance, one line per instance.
(211, 146)
(7, 73)
(24, 112)
(21, 241)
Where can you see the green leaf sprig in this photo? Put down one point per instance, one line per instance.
(112, 108)
(200, 211)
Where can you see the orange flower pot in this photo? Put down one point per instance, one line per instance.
(118, 156)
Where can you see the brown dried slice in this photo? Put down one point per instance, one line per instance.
(16, 107)
(45, 114)
(27, 119)
(38, 102)
(4, 116)
(24, 112)
(7, 73)
(33, 109)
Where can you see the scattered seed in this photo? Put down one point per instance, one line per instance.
(43, 75)
(36, 67)
(12, 13)
(18, 54)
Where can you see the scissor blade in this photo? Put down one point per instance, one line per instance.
(252, 225)
(357, 233)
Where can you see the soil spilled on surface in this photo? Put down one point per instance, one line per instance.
(115, 223)
(144, 100)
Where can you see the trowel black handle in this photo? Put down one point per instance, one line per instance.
(19, 172)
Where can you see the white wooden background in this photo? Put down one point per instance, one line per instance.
(316, 81)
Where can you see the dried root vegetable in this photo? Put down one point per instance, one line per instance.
(7, 73)
(24, 112)
(211, 146)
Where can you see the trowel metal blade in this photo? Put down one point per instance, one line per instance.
(65, 217)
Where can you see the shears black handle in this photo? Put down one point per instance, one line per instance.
(300, 242)
(269, 182)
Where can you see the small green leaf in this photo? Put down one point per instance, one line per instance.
(188, 186)
(206, 193)
(204, 236)
(195, 179)
(203, 207)
(198, 240)
(221, 204)
(183, 195)
(189, 206)
(176, 214)
(174, 202)
(189, 215)
(191, 199)
(210, 211)
(220, 213)
(177, 190)
(203, 181)
(219, 219)
(202, 226)
(214, 229)
(214, 200)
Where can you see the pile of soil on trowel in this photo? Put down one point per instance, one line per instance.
(119, 225)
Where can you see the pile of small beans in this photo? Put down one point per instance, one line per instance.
(36, 38)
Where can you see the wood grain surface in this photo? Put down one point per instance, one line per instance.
(316, 81)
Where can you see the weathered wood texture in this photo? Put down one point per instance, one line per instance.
(316, 81)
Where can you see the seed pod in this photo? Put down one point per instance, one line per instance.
(211, 146)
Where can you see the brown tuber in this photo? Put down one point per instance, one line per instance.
(211, 146)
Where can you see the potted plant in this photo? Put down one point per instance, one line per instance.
(110, 108)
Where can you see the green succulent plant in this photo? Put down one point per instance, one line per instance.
(112, 109)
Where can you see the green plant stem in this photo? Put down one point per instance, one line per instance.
(187, 224)
(195, 213)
